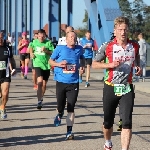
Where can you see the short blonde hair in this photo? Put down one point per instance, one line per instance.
(121, 20)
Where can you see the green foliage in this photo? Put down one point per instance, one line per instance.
(139, 15)
(85, 27)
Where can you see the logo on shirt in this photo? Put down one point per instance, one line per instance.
(5, 52)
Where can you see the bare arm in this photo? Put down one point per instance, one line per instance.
(48, 52)
(101, 65)
(55, 64)
(12, 63)
(137, 60)
(20, 46)
(31, 52)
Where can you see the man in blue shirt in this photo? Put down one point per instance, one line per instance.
(88, 44)
(65, 59)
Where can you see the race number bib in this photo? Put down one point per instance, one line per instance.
(121, 89)
(70, 69)
(39, 51)
(2, 65)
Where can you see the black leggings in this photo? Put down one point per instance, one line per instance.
(110, 103)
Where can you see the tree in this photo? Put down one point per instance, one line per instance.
(85, 27)
(125, 7)
(85, 20)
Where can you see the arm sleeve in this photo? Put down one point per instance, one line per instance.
(10, 52)
(140, 46)
(50, 46)
(81, 53)
(55, 54)
(101, 53)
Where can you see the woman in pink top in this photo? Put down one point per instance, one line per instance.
(24, 55)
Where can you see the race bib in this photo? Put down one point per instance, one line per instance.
(70, 69)
(39, 51)
(2, 65)
(121, 89)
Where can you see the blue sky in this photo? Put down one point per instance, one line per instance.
(78, 12)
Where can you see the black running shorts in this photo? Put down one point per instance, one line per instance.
(6, 79)
(88, 61)
(42, 73)
(24, 56)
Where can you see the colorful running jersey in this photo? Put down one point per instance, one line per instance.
(109, 52)
(41, 58)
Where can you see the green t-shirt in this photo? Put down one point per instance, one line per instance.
(41, 59)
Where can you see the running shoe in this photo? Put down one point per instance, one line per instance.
(57, 121)
(35, 87)
(39, 105)
(3, 114)
(107, 148)
(120, 126)
(25, 77)
(87, 84)
(22, 75)
(69, 135)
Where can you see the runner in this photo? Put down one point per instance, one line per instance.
(62, 41)
(143, 55)
(40, 51)
(119, 57)
(6, 57)
(97, 58)
(35, 87)
(24, 55)
(65, 60)
(87, 44)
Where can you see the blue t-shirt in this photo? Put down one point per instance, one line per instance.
(70, 74)
(88, 53)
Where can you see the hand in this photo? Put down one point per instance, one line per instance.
(82, 70)
(138, 71)
(114, 64)
(13, 72)
(62, 64)
(32, 55)
(43, 49)
(85, 46)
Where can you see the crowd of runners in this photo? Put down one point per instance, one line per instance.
(69, 59)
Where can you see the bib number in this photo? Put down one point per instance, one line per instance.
(2, 65)
(70, 69)
(121, 89)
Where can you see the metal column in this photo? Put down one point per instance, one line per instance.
(24, 15)
(0, 15)
(41, 14)
(16, 26)
(70, 11)
(5, 18)
(10, 17)
(31, 19)
(59, 18)
(53, 18)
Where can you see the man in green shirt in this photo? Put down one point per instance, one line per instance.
(40, 51)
